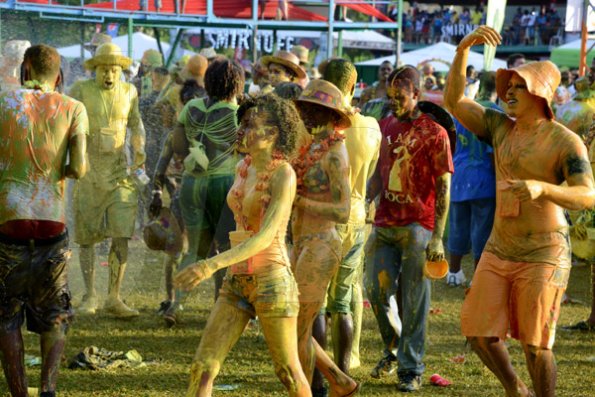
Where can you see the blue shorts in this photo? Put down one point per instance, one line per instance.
(470, 225)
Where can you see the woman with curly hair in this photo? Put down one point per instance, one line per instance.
(204, 136)
(322, 201)
(259, 281)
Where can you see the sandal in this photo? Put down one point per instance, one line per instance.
(580, 326)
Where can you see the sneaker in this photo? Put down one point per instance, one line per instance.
(386, 366)
(119, 309)
(409, 382)
(455, 279)
(169, 316)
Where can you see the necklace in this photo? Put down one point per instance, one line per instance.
(262, 185)
(311, 154)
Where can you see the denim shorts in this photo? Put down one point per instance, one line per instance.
(33, 282)
(272, 294)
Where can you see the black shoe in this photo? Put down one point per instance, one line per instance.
(163, 307)
(409, 382)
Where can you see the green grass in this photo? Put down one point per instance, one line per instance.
(168, 352)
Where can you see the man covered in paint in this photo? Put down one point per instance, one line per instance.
(523, 272)
(413, 181)
(42, 141)
(577, 114)
(105, 200)
(362, 141)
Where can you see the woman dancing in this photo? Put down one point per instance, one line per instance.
(259, 281)
(323, 199)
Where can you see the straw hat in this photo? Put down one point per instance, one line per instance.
(287, 59)
(324, 93)
(542, 79)
(302, 53)
(208, 52)
(108, 54)
(195, 68)
(97, 40)
(152, 58)
(163, 233)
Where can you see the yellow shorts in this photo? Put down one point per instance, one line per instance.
(521, 296)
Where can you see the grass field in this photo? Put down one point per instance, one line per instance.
(168, 352)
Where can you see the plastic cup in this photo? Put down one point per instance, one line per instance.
(436, 270)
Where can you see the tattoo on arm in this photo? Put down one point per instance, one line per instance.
(576, 165)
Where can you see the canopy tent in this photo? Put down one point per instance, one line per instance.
(439, 55)
(140, 43)
(569, 54)
(238, 9)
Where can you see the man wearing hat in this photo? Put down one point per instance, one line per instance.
(105, 200)
(412, 182)
(303, 55)
(97, 40)
(282, 66)
(523, 272)
(151, 59)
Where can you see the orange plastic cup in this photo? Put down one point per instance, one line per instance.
(436, 270)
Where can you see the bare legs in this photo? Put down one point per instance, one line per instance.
(223, 329)
(541, 364)
(12, 354)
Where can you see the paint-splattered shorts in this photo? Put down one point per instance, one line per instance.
(33, 281)
(272, 294)
(522, 296)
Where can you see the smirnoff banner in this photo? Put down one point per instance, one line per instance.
(267, 40)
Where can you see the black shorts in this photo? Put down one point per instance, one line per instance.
(33, 281)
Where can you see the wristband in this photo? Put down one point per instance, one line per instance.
(159, 192)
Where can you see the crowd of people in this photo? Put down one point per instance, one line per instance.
(282, 190)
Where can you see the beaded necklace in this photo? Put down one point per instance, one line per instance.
(262, 185)
(312, 153)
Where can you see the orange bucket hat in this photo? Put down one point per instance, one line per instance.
(324, 93)
(542, 79)
(287, 59)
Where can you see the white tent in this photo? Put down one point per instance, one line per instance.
(439, 53)
(140, 43)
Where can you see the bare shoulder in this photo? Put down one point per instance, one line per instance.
(283, 172)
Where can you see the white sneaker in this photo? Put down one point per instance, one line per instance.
(456, 279)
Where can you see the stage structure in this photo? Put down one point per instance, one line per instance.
(316, 15)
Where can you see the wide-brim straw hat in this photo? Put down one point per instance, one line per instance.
(302, 53)
(97, 40)
(287, 59)
(542, 78)
(163, 233)
(324, 93)
(108, 54)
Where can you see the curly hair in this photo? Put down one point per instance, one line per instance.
(43, 60)
(281, 113)
(288, 90)
(224, 79)
(341, 73)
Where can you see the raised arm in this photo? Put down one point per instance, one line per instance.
(338, 209)
(283, 186)
(467, 111)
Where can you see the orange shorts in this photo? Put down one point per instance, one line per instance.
(521, 297)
